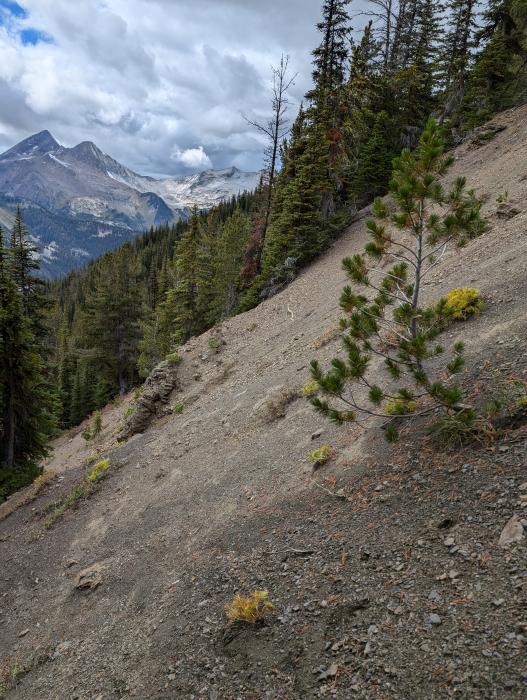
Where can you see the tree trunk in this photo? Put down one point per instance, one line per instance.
(11, 421)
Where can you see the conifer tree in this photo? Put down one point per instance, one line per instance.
(186, 303)
(27, 416)
(498, 79)
(24, 262)
(226, 265)
(330, 57)
(456, 53)
(110, 325)
(406, 338)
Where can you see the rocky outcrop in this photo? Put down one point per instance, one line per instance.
(153, 400)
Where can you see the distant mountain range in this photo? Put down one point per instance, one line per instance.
(79, 202)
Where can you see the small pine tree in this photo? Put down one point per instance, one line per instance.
(406, 338)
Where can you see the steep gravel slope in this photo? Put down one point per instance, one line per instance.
(384, 566)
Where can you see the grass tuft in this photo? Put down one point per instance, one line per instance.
(463, 302)
(251, 610)
(321, 455)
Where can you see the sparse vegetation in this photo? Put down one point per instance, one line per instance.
(321, 455)
(98, 471)
(276, 408)
(178, 408)
(174, 358)
(463, 302)
(213, 343)
(12, 669)
(92, 430)
(455, 429)
(58, 510)
(82, 490)
(326, 337)
(251, 610)
(502, 197)
(310, 388)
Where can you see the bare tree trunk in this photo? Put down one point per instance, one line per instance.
(275, 130)
(10, 429)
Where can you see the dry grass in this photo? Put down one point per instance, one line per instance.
(327, 336)
(276, 408)
(251, 610)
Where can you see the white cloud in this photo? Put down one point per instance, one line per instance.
(193, 158)
(147, 79)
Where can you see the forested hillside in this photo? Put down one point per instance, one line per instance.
(372, 93)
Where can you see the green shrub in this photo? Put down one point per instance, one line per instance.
(454, 429)
(321, 455)
(463, 302)
(174, 358)
(98, 471)
(214, 343)
(178, 408)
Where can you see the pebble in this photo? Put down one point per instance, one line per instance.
(434, 619)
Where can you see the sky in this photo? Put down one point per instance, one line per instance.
(161, 85)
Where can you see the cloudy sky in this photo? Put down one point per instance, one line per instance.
(161, 85)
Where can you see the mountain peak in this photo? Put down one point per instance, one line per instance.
(37, 144)
(87, 149)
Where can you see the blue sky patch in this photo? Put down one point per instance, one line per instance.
(13, 8)
(33, 37)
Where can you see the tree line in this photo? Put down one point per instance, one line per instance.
(108, 324)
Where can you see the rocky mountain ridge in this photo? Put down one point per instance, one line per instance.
(79, 202)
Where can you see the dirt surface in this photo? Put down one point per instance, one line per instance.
(384, 565)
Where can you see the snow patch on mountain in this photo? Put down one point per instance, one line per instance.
(50, 251)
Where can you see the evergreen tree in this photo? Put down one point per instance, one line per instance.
(374, 162)
(456, 53)
(498, 79)
(330, 57)
(406, 339)
(227, 261)
(187, 304)
(27, 407)
(24, 262)
(110, 326)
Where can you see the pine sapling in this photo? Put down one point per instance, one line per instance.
(385, 314)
